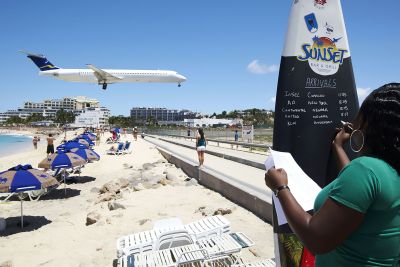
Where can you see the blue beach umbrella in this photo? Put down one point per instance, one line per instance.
(87, 154)
(85, 142)
(24, 178)
(70, 145)
(62, 161)
(89, 135)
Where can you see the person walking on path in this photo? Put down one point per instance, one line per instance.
(356, 219)
(135, 132)
(201, 143)
(50, 144)
(236, 137)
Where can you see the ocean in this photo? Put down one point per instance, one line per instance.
(11, 144)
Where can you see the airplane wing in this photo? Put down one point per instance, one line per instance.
(102, 75)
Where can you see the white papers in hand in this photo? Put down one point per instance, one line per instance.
(303, 188)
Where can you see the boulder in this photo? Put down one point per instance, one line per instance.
(92, 217)
(148, 166)
(171, 175)
(109, 187)
(222, 211)
(115, 205)
(106, 197)
(122, 183)
(6, 264)
(139, 187)
(163, 181)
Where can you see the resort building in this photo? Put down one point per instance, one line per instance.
(48, 108)
(143, 114)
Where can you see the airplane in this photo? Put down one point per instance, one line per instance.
(104, 76)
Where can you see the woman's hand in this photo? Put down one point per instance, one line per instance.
(342, 136)
(275, 178)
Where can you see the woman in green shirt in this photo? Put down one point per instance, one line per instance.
(357, 216)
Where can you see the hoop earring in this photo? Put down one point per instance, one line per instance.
(351, 143)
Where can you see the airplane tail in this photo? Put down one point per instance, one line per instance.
(41, 62)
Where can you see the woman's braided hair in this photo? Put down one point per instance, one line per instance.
(381, 113)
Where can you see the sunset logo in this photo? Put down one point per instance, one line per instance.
(323, 56)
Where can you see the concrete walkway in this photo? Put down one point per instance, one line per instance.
(249, 180)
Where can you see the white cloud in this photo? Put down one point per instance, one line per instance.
(258, 68)
(362, 94)
(273, 99)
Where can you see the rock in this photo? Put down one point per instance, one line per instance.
(171, 175)
(192, 182)
(164, 182)
(156, 186)
(148, 166)
(115, 205)
(106, 197)
(152, 178)
(122, 182)
(95, 190)
(139, 187)
(110, 187)
(7, 264)
(161, 161)
(204, 211)
(222, 211)
(92, 218)
(136, 175)
(143, 221)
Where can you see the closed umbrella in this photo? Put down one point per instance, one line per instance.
(87, 154)
(62, 161)
(24, 178)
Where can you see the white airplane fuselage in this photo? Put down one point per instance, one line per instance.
(130, 76)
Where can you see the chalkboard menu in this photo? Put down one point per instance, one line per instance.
(316, 90)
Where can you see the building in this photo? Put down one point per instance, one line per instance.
(49, 108)
(92, 117)
(143, 114)
(212, 122)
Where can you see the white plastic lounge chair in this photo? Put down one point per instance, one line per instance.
(136, 243)
(167, 257)
(117, 151)
(201, 229)
(6, 196)
(173, 238)
(208, 227)
(262, 263)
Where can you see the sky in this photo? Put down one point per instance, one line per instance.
(229, 50)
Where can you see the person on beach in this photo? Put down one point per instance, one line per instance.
(97, 137)
(201, 143)
(35, 141)
(50, 144)
(356, 219)
(135, 133)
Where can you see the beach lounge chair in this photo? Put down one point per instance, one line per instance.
(225, 244)
(208, 227)
(202, 229)
(167, 257)
(261, 263)
(214, 249)
(127, 149)
(172, 238)
(117, 151)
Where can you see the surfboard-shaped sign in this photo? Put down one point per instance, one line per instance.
(316, 89)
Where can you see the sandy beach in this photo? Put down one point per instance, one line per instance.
(151, 189)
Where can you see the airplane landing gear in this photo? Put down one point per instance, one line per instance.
(104, 86)
(179, 85)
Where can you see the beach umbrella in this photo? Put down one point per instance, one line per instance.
(117, 130)
(87, 154)
(70, 145)
(62, 161)
(24, 178)
(84, 142)
(90, 135)
(85, 137)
